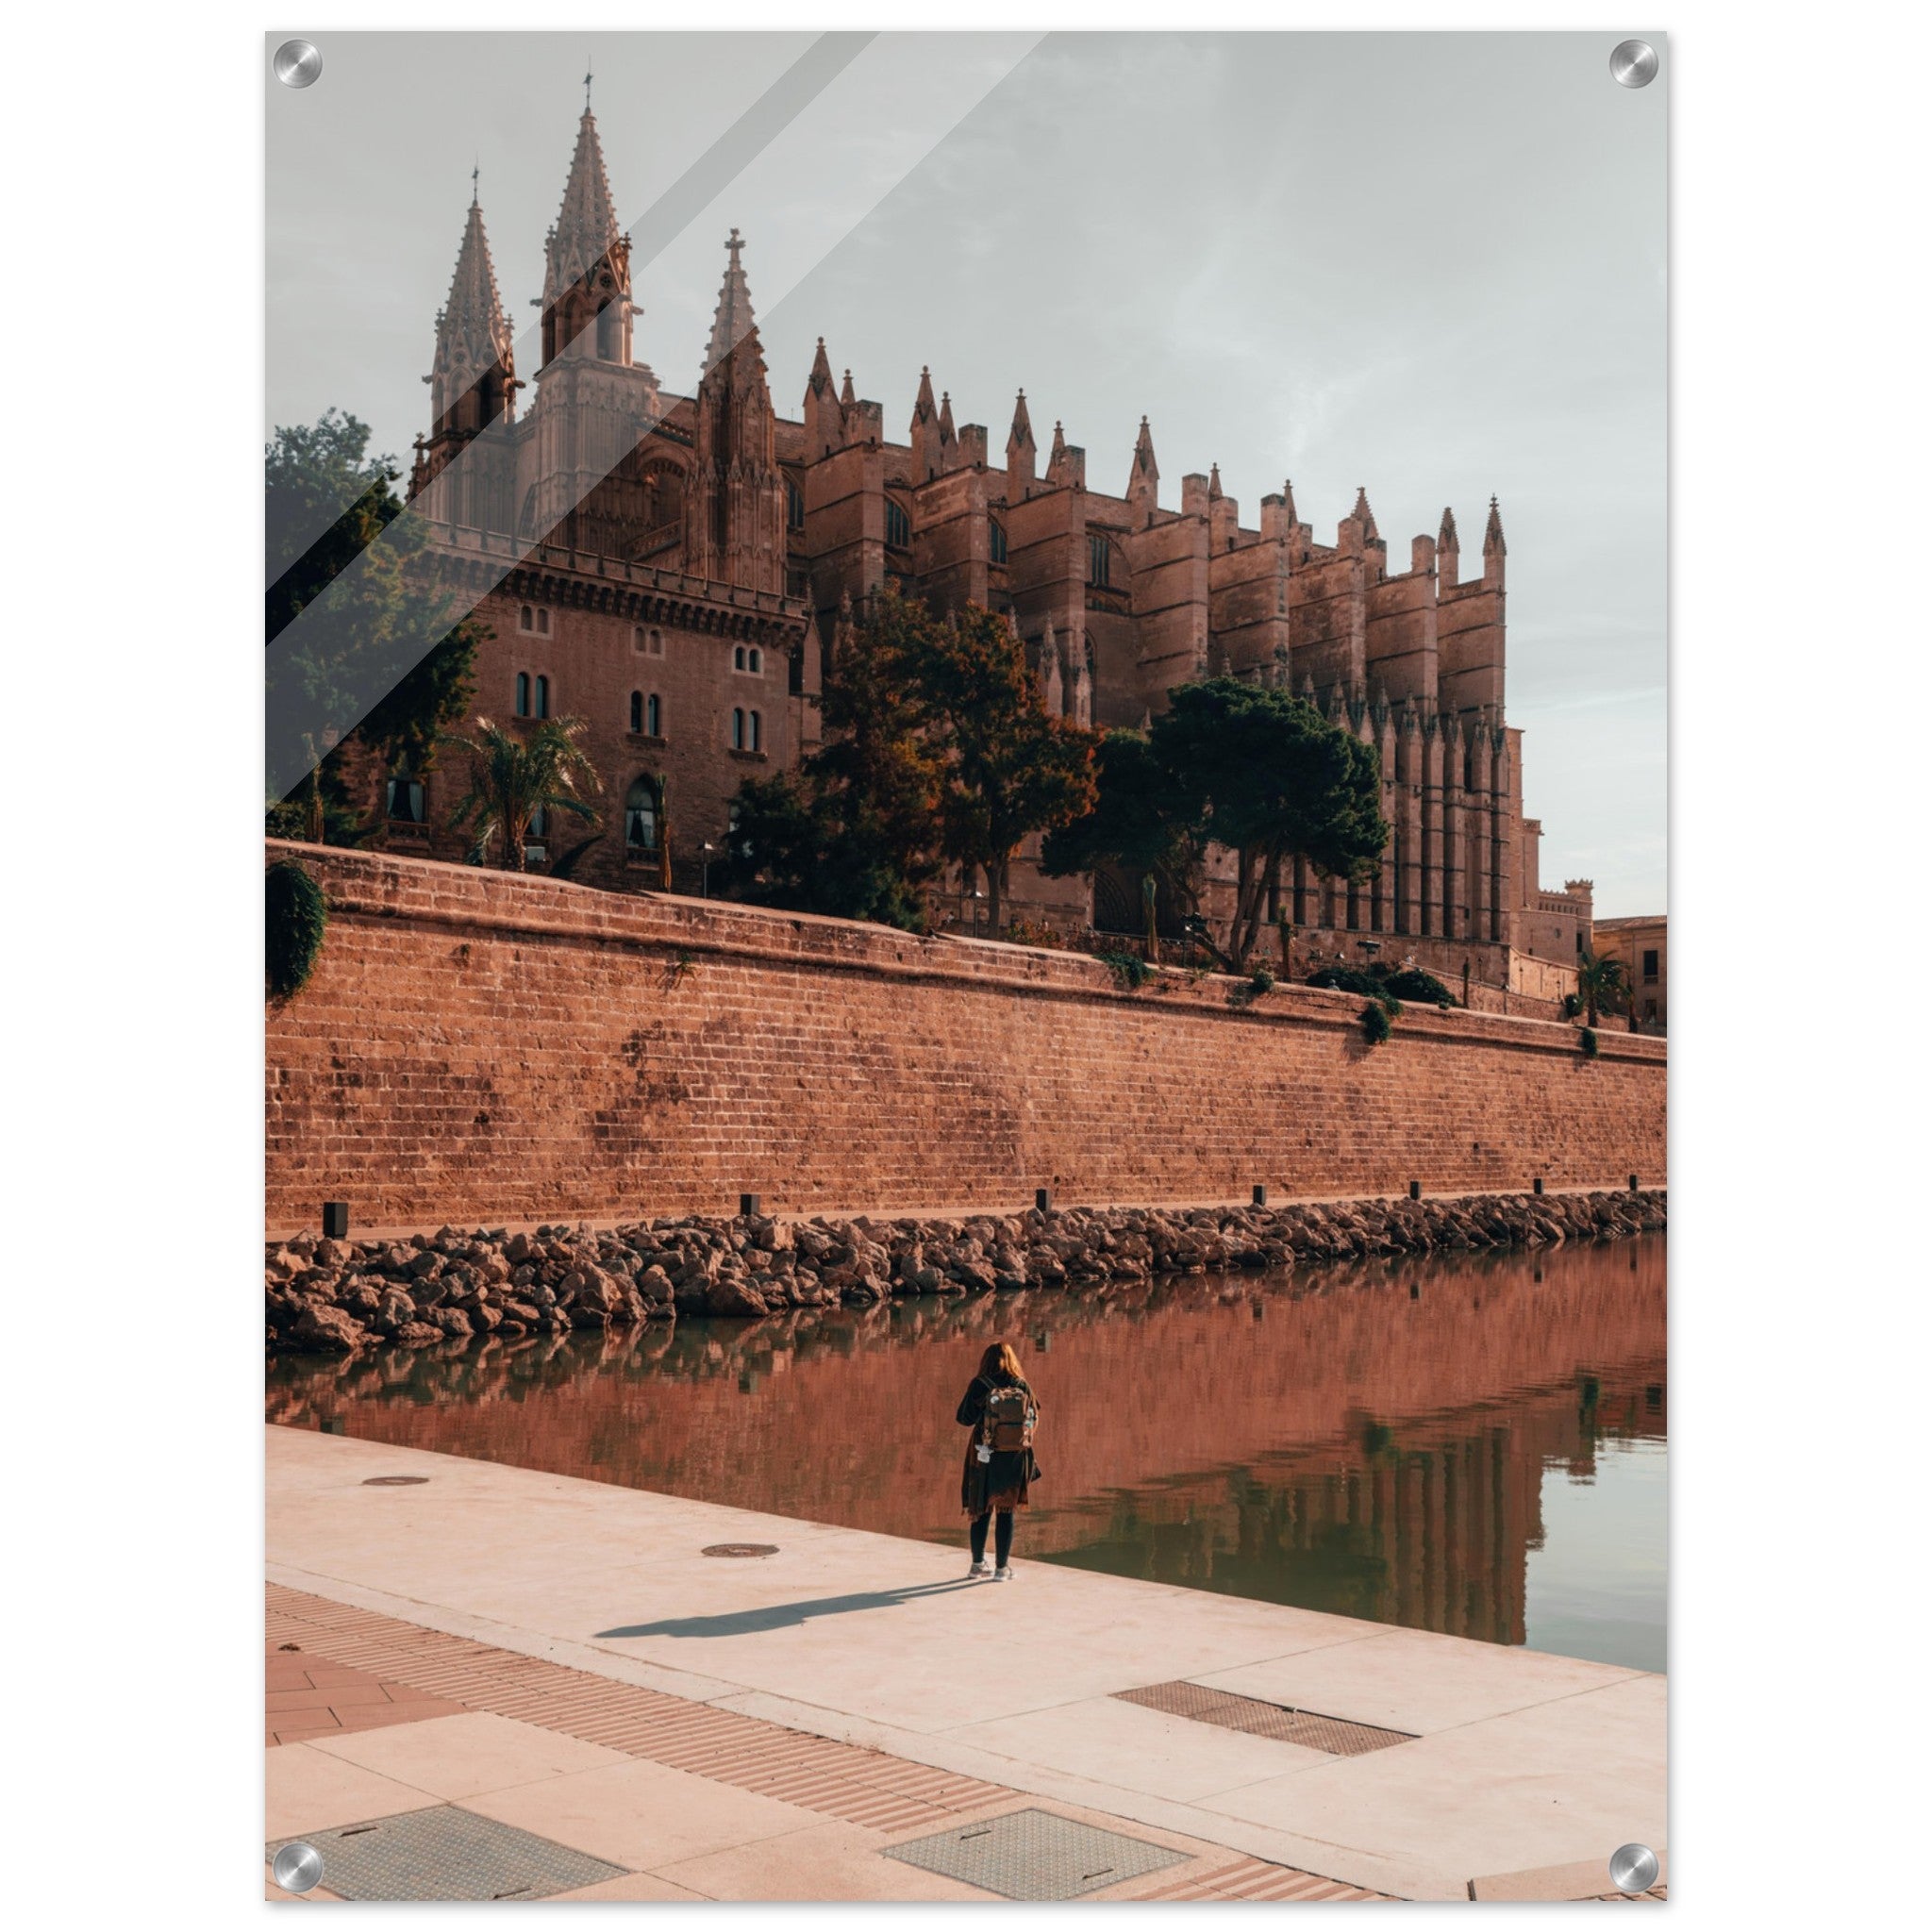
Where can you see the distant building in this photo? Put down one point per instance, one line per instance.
(1642, 945)
(676, 569)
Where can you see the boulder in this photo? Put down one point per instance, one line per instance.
(330, 1330)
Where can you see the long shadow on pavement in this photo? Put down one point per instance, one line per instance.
(783, 1616)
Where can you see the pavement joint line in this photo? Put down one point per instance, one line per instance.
(921, 1805)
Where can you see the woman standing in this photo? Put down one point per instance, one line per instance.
(1001, 1410)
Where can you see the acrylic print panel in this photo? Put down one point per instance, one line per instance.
(966, 966)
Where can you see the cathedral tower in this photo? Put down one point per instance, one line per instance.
(472, 388)
(734, 528)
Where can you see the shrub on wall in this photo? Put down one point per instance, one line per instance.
(1571, 1006)
(296, 918)
(1128, 968)
(1376, 1024)
(1587, 1041)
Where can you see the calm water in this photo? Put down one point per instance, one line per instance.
(1466, 1444)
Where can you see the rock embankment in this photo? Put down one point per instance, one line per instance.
(336, 1297)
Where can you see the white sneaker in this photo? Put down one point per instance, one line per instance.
(1004, 1574)
(978, 1570)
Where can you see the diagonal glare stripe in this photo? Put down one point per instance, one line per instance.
(298, 729)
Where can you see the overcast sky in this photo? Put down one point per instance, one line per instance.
(1429, 264)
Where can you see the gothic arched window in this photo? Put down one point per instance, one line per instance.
(898, 527)
(1099, 556)
(758, 733)
(653, 715)
(736, 729)
(795, 506)
(754, 660)
(641, 816)
(637, 710)
(996, 539)
(523, 694)
(542, 696)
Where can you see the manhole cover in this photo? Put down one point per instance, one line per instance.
(1036, 1855)
(446, 1853)
(741, 1549)
(1285, 1725)
(391, 1482)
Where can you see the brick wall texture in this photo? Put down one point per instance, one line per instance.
(479, 1047)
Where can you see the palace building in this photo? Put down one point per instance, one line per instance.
(675, 568)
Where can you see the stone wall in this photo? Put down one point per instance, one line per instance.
(476, 1047)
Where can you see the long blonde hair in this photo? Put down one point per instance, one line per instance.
(998, 1359)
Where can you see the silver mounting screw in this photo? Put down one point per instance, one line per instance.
(298, 63)
(1633, 1868)
(298, 1867)
(1633, 63)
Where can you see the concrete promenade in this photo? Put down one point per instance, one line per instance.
(1518, 1776)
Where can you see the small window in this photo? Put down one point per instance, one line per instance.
(406, 803)
(738, 657)
(542, 696)
(1579, 943)
(898, 527)
(641, 816)
(637, 710)
(1099, 561)
(996, 539)
(795, 506)
(653, 715)
(754, 659)
(527, 618)
(543, 623)
(523, 694)
(1650, 967)
(656, 643)
(757, 732)
(736, 729)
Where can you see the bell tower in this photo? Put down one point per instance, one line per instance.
(734, 529)
(581, 485)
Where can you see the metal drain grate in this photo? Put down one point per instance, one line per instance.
(1286, 1726)
(1036, 1855)
(446, 1853)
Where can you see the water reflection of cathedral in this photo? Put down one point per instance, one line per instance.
(1429, 1526)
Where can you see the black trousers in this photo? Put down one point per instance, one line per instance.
(1003, 1536)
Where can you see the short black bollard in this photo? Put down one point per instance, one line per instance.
(748, 1206)
(1538, 1184)
(335, 1220)
(1043, 1200)
(1260, 1196)
(1415, 1291)
(1415, 1191)
(1633, 1183)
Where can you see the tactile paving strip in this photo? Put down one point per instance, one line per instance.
(1034, 1856)
(1334, 1735)
(446, 1853)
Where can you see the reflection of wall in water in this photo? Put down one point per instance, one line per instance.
(1204, 1443)
(1431, 1529)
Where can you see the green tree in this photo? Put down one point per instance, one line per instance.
(1133, 823)
(513, 779)
(1600, 981)
(937, 752)
(1009, 769)
(1252, 768)
(376, 642)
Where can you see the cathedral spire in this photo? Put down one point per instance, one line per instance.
(1144, 478)
(733, 321)
(848, 396)
(1364, 516)
(1445, 537)
(927, 435)
(1021, 435)
(821, 381)
(1213, 482)
(924, 408)
(473, 376)
(587, 262)
(1492, 535)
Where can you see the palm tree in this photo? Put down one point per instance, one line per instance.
(1600, 980)
(513, 779)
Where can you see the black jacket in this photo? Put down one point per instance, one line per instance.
(1010, 1469)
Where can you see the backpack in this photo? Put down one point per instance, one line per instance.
(1009, 1417)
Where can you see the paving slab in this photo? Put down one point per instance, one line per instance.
(1415, 1680)
(309, 1790)
(1521, 1760)
(460, 1757)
